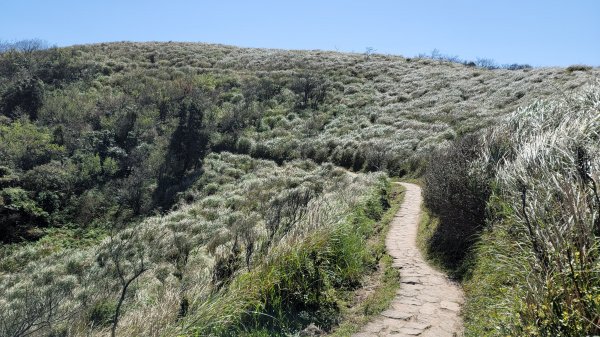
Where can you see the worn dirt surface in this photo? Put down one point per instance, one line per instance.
(427, 304)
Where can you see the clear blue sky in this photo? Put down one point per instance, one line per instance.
(538, 32)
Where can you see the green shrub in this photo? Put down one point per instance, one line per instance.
(25, 145)
(457, 194)
(244, 145)
(17, 213)
(102, 313)
(578, 67)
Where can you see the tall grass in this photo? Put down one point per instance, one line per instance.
(537, 271)
(182, 265)
(298, 284)
(196, 267)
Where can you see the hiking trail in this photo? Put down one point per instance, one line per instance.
(427, 304)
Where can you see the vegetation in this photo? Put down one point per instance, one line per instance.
(457, 195)
(157, 182)
(534, 268)
(485, 63)
(186, 264)
(357, 308)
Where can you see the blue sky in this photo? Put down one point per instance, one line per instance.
(541, 33)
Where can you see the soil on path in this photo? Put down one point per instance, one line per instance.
(427, 303)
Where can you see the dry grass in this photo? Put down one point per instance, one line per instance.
(537, 268)
(180, 253)
(388, 109)
(251, 212)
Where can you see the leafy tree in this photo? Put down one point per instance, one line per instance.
(52, 184)
(24, 145)
(23, 95)
(188, 146)
(17, 212)
(311, 89)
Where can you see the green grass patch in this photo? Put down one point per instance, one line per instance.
(54, 240)
(492, 294)
(358, 310)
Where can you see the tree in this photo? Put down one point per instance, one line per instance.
(188, 146)
(368, 52)
(125, 257)
(26, 46)
(486, 63)
(24, 145)
(18, 212)
(312, 90)
(25, 95)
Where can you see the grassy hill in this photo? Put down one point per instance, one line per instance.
(156, 182)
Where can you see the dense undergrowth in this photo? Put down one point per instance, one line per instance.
(531, 260)
(144, 187)
(379, 288)
(186, 269)
(302, 283)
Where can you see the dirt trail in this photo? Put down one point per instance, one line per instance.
(427, 303)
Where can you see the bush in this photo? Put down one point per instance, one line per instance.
(244, 145)
(101, 314)
(457, 194)
(25, 145)
(24, 95)
(536, 269)
(578, 67)
(516, 66)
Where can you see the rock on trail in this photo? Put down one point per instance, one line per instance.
(427, 303)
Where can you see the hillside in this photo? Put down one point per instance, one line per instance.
(152, 182)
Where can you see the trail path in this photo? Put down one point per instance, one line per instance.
(427, 303)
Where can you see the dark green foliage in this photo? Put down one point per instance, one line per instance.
(17, 212)
(101, 314)
(358, 161)
(578, 67)
(25, 73)
(311, 90)
(244, 146)
(188, 146)
(23, 95)
(458, 196)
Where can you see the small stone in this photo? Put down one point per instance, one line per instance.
(410, 280)
(396, 314)
(418, 325)
(311, 330)
(411, 332)
(450, 306)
